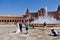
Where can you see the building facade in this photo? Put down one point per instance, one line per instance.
(10, 19)
(54, 14)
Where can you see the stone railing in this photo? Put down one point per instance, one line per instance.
(4, 23)
(48, 25)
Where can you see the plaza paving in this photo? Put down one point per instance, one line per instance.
(7, 33)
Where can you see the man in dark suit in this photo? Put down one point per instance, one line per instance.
(20, 26)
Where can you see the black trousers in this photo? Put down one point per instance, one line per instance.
(20, 28)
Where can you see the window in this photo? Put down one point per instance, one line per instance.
(0, 20)
(7, 20)
(10, 20)
(15, 20)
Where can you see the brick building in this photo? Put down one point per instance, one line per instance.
(32, 15)
(6, 19)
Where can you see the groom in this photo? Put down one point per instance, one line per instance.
(20, 26)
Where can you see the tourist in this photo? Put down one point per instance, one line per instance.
(20, 26)
(44, 25)
(54, 32)
(33, 26)
(27, 26)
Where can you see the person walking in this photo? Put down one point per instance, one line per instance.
(27, 26)
(44, 25)
(20, 26)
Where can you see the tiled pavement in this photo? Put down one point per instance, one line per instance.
(6, 33)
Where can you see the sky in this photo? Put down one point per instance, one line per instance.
(20, 6)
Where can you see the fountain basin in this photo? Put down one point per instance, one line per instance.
(45, 21)
(50, 22)
(42, 25)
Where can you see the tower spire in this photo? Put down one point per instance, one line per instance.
(27, 10)
(58, 7)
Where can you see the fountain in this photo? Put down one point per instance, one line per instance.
(49, 20)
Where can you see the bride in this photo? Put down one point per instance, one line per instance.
(18, 29)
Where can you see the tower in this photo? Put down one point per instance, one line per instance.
(58, 12)
(41, 12)
(27, 13)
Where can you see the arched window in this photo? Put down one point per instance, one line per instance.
(18, 20)
(4, 20)
(10, 20)
(0, 20)
(7, 20)
(15, 20)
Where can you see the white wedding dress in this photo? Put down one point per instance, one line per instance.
(18, 29)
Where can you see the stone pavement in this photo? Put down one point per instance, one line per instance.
(7, 33)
